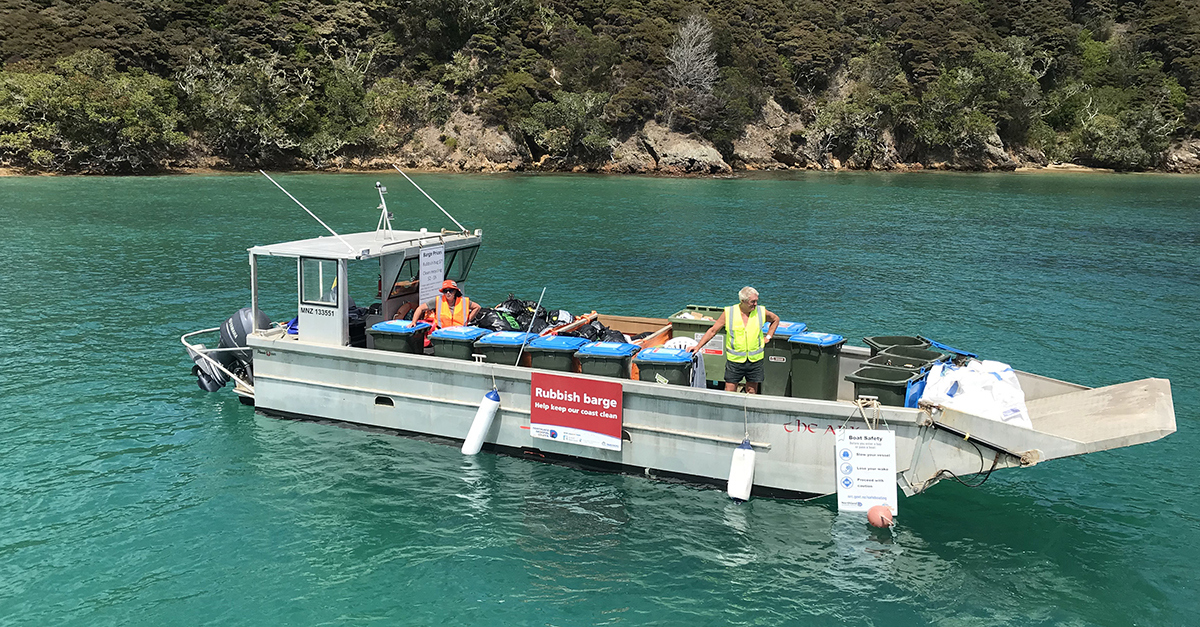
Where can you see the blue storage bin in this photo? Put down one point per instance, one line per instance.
(506, 338)
(608, 349)
(607, 359)
(555, 353)
(561, 343)
(505, 347)
(401, 336)
(663, 355)
(818, 339)
(400, 326)
(459, 333)
(456, 342)
(786, 329)
(665, 365)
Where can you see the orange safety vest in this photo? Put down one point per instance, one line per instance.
(447, 316)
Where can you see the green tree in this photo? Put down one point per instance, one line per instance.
(88, 117)
(570, 126)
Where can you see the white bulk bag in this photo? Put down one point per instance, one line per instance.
(988, 389)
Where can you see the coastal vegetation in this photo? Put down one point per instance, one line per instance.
(121, 86)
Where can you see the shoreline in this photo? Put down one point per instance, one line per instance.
(1070, 168)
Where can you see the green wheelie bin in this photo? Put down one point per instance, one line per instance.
(889, 385)
(777, 371)
(816, 358)
(400, 336)
(691, 323)
(879, 343)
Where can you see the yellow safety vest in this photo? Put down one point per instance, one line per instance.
(744, 339)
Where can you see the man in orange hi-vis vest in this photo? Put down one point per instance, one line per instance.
(451, 309)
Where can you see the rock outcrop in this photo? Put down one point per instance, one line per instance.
(1183, 157)
(775, 141)
(629, 156)
(463, 144)
(675, 153)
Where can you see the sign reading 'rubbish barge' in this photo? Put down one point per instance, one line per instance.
(577, 411)
(866, 470)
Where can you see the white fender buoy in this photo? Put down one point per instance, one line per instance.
(481, 423)
(741, 472)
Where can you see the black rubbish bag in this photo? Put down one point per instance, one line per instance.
(612, 335)
(587, 331)
(537, 326)
(512, 305)
(560, 317)
(494, 320)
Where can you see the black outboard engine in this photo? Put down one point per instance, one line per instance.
(234, 332)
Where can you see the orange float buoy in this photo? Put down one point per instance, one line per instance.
(880, 516)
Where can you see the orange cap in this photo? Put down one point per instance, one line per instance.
(449, 285)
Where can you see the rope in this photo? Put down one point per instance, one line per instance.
(862, 404)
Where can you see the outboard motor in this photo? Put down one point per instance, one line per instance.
(234, 332)
(208, 377)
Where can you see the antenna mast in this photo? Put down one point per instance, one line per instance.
(385, 216)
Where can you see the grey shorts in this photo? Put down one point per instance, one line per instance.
(752, 371)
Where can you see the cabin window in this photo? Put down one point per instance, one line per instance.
(407, 278)
(318, 281)
(458, 263)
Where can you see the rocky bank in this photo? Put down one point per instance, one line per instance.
(777, 140)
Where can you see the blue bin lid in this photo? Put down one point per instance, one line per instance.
(786, 329)
(818, 339)
(459, 333)
(608, 349)
(401, 327)
(663, 355)
(507, 338)
(562, 343)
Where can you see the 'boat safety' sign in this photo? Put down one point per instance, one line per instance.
(578, 411)
(866, 469)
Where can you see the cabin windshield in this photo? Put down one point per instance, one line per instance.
(406, 279)
(458, 266)
(458, 263)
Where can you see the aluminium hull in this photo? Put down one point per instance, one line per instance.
(668, 430)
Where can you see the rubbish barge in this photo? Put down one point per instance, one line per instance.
(330, 368)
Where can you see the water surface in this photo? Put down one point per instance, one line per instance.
(131, 497)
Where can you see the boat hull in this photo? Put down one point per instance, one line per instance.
(668, 430)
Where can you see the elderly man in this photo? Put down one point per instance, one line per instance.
(744, 340)
(451, 309)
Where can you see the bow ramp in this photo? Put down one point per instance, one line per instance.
(1076, 422)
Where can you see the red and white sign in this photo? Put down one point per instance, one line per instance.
(578, 411)
(715, 346)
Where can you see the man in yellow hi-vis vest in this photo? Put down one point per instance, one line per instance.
(745, 342)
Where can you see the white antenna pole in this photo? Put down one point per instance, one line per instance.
(461, 227)
(314, 216)
(385, 217)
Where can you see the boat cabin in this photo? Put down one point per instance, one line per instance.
(412, 265)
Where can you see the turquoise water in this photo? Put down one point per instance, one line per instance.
(128, 496)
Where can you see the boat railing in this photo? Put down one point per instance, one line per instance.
(204, 352)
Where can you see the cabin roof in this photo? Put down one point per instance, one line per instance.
(366, 245)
